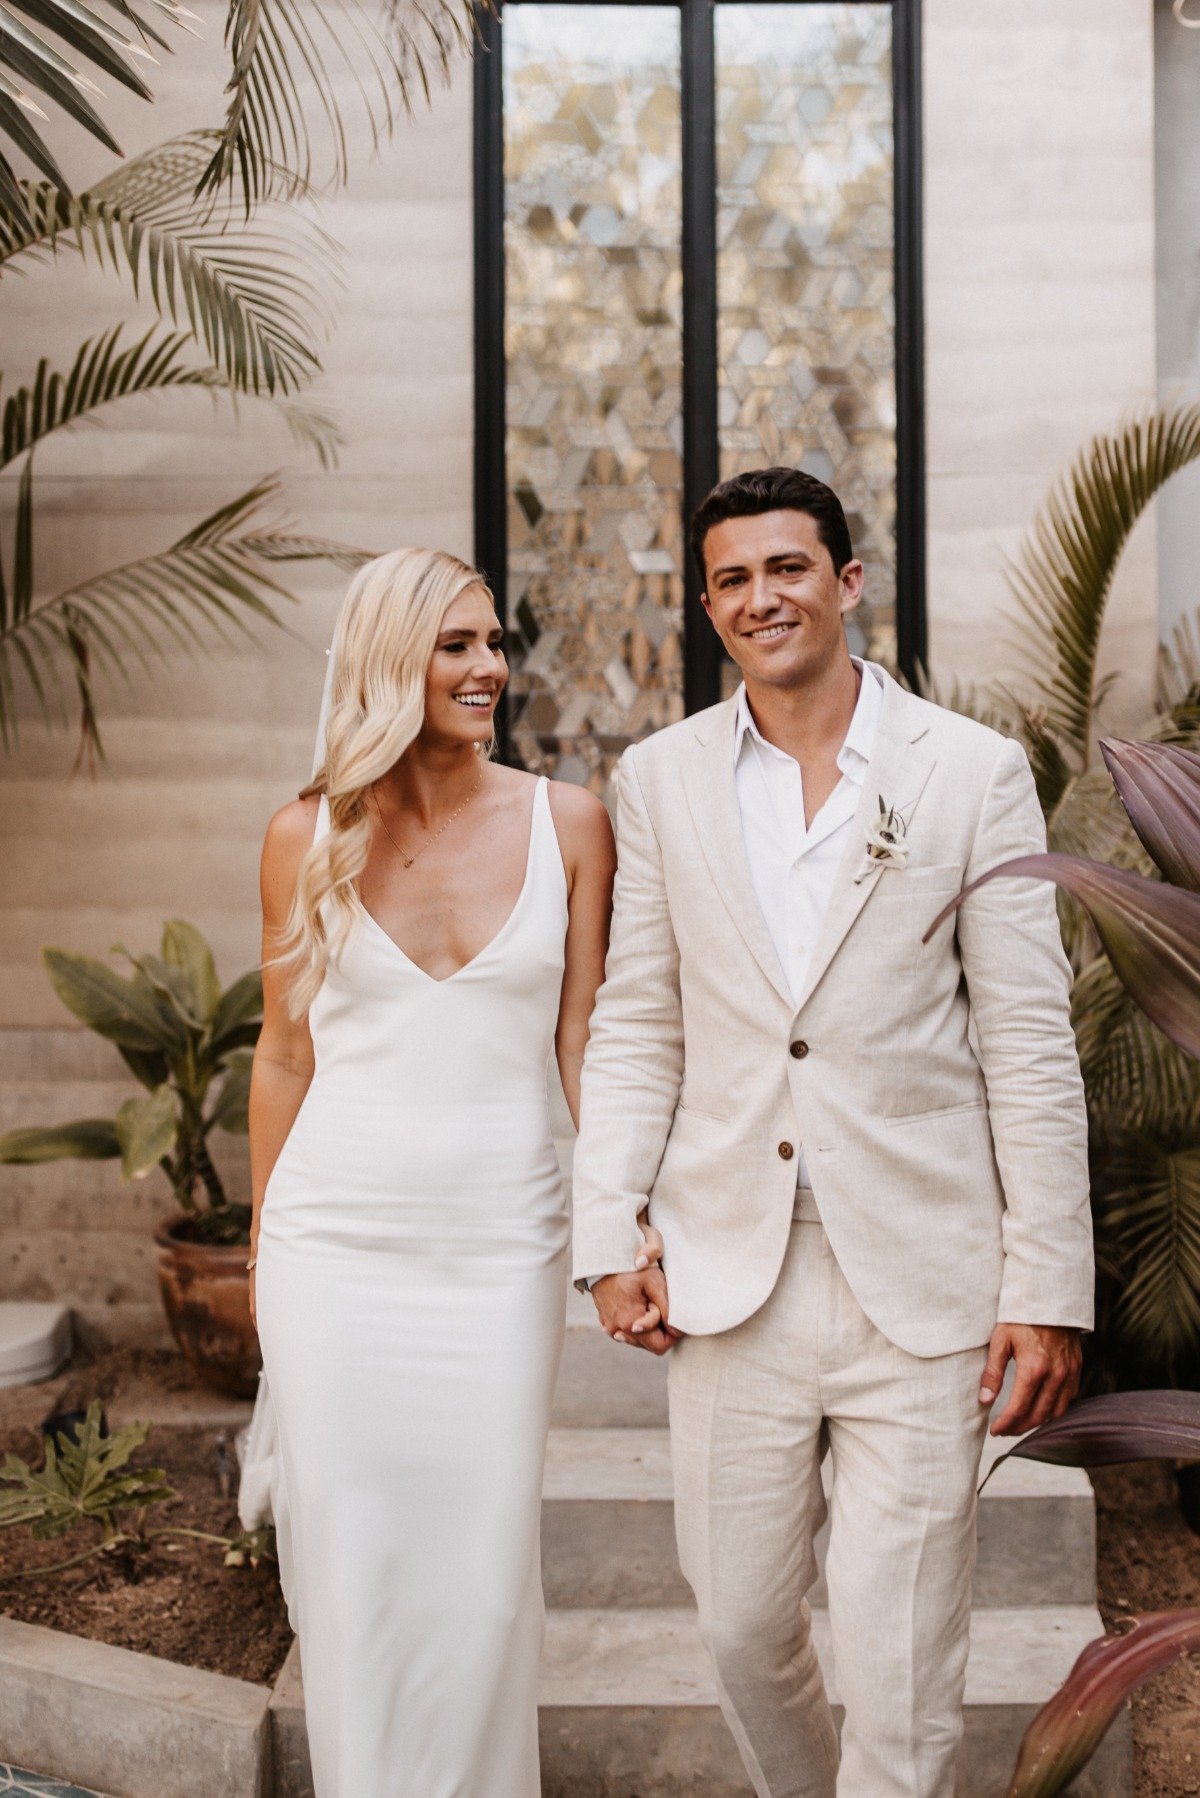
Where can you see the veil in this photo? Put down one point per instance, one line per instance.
(262, 1492)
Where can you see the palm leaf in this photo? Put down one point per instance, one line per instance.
(105, 371)
(1064, 571)
(256, 294)
(1135, 1077)
(101, 372)
(287, 56)
(94, 38)
(1147, 1212)
(213, 583)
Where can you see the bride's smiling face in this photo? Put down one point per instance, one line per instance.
(468, 672)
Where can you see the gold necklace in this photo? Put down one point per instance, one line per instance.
(408, 860)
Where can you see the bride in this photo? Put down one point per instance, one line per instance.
(433, 925)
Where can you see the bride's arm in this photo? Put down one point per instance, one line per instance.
(589, 852)
(283, 1058)
(585, 837)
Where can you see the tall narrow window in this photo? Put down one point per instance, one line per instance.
(776, 139)
(805, 295)
(592, 379)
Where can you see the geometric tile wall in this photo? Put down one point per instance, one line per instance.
(805, 286)
(592, 226)
(592, 161)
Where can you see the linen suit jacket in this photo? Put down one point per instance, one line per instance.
(935, 1089)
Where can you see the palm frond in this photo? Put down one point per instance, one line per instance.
(1135, 1077)
(94, 38)
(102, 372)
(287, 56)
(1064, 570)
(1147, 1213)
(257, 295)
(1178, 687)
(987, 705)
(213, 584)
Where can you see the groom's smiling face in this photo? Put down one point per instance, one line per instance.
(775, 598)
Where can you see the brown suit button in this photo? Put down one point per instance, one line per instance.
(786, 1151)
(799, 1050)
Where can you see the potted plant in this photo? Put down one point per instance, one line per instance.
(189, 1042)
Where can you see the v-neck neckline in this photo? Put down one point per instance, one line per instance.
(445, 979)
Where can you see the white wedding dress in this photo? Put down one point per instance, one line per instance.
(411, 1297)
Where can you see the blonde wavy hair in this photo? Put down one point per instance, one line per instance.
(386, 633)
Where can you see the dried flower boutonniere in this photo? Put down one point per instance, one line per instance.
(886, 845)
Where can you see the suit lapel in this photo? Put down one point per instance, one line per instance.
(709, 784)
(899, 767)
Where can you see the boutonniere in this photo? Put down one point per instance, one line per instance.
(886, 845)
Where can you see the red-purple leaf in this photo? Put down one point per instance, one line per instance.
(1067, 1731)
(1115, 1427)
(1159, 786)
(1150, 931)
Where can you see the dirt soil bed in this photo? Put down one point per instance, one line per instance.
(174, 1597)
(1150, 1561)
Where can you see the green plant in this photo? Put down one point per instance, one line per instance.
(188, 1041)
(1143, 1089)
(86, 1481)
(286, 57)
(242, 305)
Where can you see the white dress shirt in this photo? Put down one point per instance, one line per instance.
(792, 866)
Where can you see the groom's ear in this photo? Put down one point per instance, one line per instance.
(850, 583)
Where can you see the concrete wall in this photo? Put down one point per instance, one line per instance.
(1177, 154)
(1039, 268)
(1040, 281)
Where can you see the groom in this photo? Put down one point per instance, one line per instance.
(866, 1156)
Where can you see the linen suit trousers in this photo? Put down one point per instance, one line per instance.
(752, 1410)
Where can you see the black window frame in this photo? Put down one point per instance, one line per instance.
(702, 649)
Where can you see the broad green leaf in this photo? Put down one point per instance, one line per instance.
(231, 1111)
(240, 1007)
(171, 986)
(1066, 1732)
(185, 949)
(91, 1139)
(82, 1480)
(1159, 785)
(147, 1066)
(108, 1004)
(146, 1130)
(1150, 932)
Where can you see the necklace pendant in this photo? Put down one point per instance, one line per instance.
(408, 860)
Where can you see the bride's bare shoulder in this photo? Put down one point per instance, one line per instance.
(290, 832)
(582, 822)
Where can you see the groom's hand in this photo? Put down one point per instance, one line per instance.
(633, 1308)
(1049, 1362)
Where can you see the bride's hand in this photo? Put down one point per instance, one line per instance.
(652, 1253)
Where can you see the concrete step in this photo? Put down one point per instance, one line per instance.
(628, 1706)
(601, 1383)
(608, 1530)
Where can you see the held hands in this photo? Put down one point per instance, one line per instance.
(1049, 1362)
(633, 1307)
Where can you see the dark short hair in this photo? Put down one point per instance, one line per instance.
(775, 490)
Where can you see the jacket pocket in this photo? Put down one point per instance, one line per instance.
(700, 1111)
(939, 1111)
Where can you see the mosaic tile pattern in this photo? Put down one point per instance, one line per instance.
(15, 1782)
(593, 344)
(805, 261)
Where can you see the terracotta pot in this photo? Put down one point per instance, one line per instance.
(206, 1295)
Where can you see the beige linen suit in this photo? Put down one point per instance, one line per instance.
(936, 1093)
